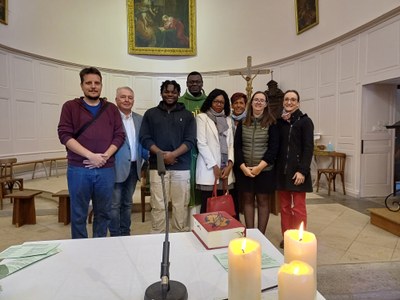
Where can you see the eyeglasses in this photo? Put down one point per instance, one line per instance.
(219, 102)
(262, 101)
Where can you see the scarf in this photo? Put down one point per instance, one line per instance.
(286, 115)
(222, 126)
(239, 117)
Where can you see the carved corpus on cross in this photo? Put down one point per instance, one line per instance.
(246, 74)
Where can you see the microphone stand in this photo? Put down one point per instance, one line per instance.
(165, 256)
(165, 289)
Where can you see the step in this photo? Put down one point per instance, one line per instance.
(386, 219)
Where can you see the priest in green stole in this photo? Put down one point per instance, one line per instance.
(193, 100)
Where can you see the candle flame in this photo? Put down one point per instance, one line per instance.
(296, 270)
(243, 245)
(301, 230)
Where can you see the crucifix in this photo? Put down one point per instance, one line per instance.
(247, 76)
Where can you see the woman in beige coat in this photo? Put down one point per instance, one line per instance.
(215, 145)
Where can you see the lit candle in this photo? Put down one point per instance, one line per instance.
(296, 281)
(301, 245)
(244, 273)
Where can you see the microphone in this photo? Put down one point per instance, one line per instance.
(165, 289)
(160, 163)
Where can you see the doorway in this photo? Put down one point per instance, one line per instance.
(377, 142)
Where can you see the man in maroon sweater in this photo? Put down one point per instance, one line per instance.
(92, 130)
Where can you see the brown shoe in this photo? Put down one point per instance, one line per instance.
(282, 244)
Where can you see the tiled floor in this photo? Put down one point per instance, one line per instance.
(356, 260)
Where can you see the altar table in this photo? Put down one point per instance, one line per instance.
(121, 268)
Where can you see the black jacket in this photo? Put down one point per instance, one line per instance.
(168, 130)
(296, 139)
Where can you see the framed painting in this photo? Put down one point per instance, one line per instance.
(306, 14)
(161, 27)
(3, 11)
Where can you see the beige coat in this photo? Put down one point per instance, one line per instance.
(209, 149)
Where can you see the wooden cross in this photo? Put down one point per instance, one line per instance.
(247, 76)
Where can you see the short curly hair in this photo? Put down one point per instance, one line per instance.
(167, 83)
(237, 96)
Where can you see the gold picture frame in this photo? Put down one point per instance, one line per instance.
(4, 11)
(161, 27)
(307, 15)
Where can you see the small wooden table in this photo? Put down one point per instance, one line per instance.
(24, 207)
(64, 211)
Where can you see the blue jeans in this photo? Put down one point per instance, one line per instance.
(85, 184)
(121, 205)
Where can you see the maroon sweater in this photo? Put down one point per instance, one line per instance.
(106, 130)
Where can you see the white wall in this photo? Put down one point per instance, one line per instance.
(329, 79)
(94, 32)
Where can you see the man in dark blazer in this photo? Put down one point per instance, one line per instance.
(128, 163)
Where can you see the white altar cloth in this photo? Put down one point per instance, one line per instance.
(121, 268)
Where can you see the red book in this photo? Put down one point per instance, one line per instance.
(217, 229)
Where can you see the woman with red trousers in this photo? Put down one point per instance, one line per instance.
(296, 136)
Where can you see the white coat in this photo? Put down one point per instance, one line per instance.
(210, 150)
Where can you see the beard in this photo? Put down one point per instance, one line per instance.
(92, 98)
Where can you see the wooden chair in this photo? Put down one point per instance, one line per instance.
(7, 179)
(337, 167)
(144, 188)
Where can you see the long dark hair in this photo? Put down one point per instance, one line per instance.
(267, 117)
(211, 97)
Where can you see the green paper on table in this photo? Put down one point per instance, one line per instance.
(266, 261)
(26, 250)
(20, 256)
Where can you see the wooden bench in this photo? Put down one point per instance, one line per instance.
(24, 207)
(64, 206)
(52, 162)
(55, 162)
(34, 163)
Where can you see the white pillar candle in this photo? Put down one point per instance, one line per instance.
(296, 281)
(244, 271)
(301, 245)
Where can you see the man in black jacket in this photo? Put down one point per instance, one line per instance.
(171, 129)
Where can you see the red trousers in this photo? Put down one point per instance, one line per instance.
(293, 210)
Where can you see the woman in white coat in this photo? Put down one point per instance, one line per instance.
(215, 145)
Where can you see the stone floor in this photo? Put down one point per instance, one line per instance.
(356, 260)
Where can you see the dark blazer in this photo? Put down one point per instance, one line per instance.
(296, 151)
(123, 155)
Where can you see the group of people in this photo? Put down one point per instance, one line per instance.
(210, 140)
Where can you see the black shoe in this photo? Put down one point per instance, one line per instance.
(282, 244)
